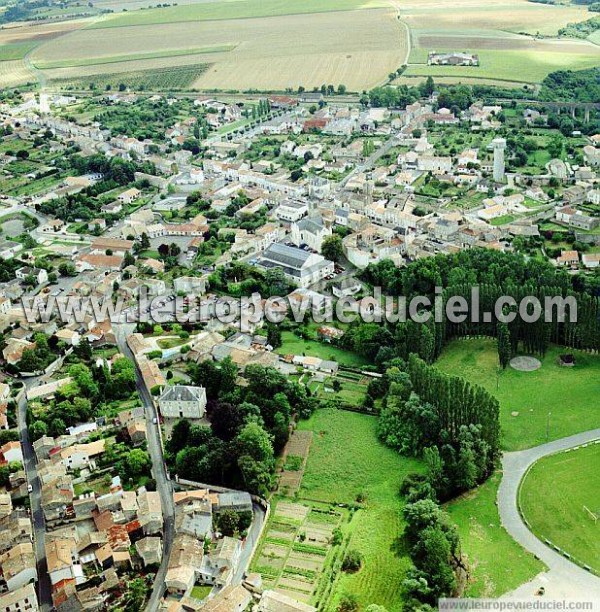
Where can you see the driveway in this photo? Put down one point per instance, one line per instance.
(563, 579)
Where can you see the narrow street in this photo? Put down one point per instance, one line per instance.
(44, 588)
(163, 485)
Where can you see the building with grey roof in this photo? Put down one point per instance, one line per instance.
(182, 401)
(300, 267)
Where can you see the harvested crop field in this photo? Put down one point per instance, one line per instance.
(14, 72)
(354, 48)
(501, 15)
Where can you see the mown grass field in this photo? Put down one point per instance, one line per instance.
(570, 395)
(496, 562)
(347, 460)
(117, 59)
(553, 495)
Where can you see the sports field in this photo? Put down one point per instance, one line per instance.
(550, 403)
(560, 497)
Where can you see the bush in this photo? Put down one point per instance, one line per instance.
(352, 561)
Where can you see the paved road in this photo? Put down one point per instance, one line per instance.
(163, 485)
(44, 588)
(563, 579)
(385, 148)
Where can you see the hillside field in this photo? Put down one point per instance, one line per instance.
(280, 44)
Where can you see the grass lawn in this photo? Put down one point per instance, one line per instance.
(553, 495)
(346, 459)
(502, 220)
(570, 395)
(200, 592)
(497, 563)
(293, 345)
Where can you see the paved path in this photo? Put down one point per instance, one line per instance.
(563, 579)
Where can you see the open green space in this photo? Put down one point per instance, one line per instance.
(497, 564)
(347, 461)
(552, 402)
(560, 497)
(293, 345)
(242, 9)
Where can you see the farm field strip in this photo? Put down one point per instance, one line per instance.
(117, 59)
(512, 65)
(238, 9)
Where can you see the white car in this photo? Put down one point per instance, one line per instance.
(29, 488)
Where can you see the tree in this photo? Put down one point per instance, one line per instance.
(348, 603)
(504, 345)
(137, 462)
(38, 429)
(273, 335)
(332, 248)
(229, 522)
(255, 442)
(67, 269)
(352, 561)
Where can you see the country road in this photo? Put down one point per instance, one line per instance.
(563, 579)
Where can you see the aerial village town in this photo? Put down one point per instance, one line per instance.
(219, 196)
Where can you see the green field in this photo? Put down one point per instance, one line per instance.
(570, 395)
(553, 495)
(520, 65)
(496, 562)
(346, 460)
(293, 345)
(241, 9)
(15, 51)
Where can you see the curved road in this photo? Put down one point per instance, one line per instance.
(563, 579)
